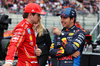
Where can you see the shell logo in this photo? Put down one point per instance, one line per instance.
(31, 38)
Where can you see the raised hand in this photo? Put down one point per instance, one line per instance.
(38, 51)
(7, 64)
(56, 31)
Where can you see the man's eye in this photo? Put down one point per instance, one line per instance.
(38, 14)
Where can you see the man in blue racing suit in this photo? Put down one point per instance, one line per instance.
(68, 41)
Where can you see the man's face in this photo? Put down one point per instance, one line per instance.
(36, 18)
(66, 22)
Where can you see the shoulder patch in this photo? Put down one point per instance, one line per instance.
(76, 31)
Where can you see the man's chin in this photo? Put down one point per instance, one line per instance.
(63, 26)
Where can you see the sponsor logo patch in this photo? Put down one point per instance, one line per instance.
(15, 39)
(31, 38)
(29, 31)
(64, 40)
(31, 43)
(71, 34)
(61, 51)
(52, 45)
(76, 44)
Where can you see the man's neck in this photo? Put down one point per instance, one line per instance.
(69, 26)
(29, 20)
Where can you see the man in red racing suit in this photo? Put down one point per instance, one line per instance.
(23, 41)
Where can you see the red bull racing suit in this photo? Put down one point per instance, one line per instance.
(23, 43)
(70, 40)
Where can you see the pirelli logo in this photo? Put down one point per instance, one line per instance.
(71, 34)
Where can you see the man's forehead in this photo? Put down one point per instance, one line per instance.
(63, 17)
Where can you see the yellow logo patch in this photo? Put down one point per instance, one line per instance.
(64, 40)
(31, 38)
(52, 45)
(76, 44)
(71, 34)
(61, 51)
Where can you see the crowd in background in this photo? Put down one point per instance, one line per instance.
(92, 6)
(52, 7)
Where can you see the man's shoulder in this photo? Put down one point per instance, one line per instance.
(21, 25)
(81, 30)
(78, 30)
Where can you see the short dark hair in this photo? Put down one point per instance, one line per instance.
(25, 15)
(74, 19)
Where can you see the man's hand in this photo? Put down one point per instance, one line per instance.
(76, 54)
(56, 31)
(38, 51)
(7, 64)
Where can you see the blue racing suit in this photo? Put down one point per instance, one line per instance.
(70, 40)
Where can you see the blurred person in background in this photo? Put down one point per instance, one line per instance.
(23, 41)
(77, 24)
(68, 43)
(43, 42)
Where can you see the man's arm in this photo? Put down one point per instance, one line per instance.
(16, 40)
(77, 41)
(54, 50)
(75, 54)
(60, 52)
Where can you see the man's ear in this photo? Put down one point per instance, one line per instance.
(29, 14)
(72, 20)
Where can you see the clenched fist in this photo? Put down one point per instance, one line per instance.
(7, 64)
(76, 54)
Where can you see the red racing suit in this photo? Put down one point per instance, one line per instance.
(23, 43)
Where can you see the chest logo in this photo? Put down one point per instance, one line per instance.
(31, 43)
(71, 34)
(31, 38)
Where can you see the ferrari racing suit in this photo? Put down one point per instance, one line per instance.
(70, 40)
(23, 42)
